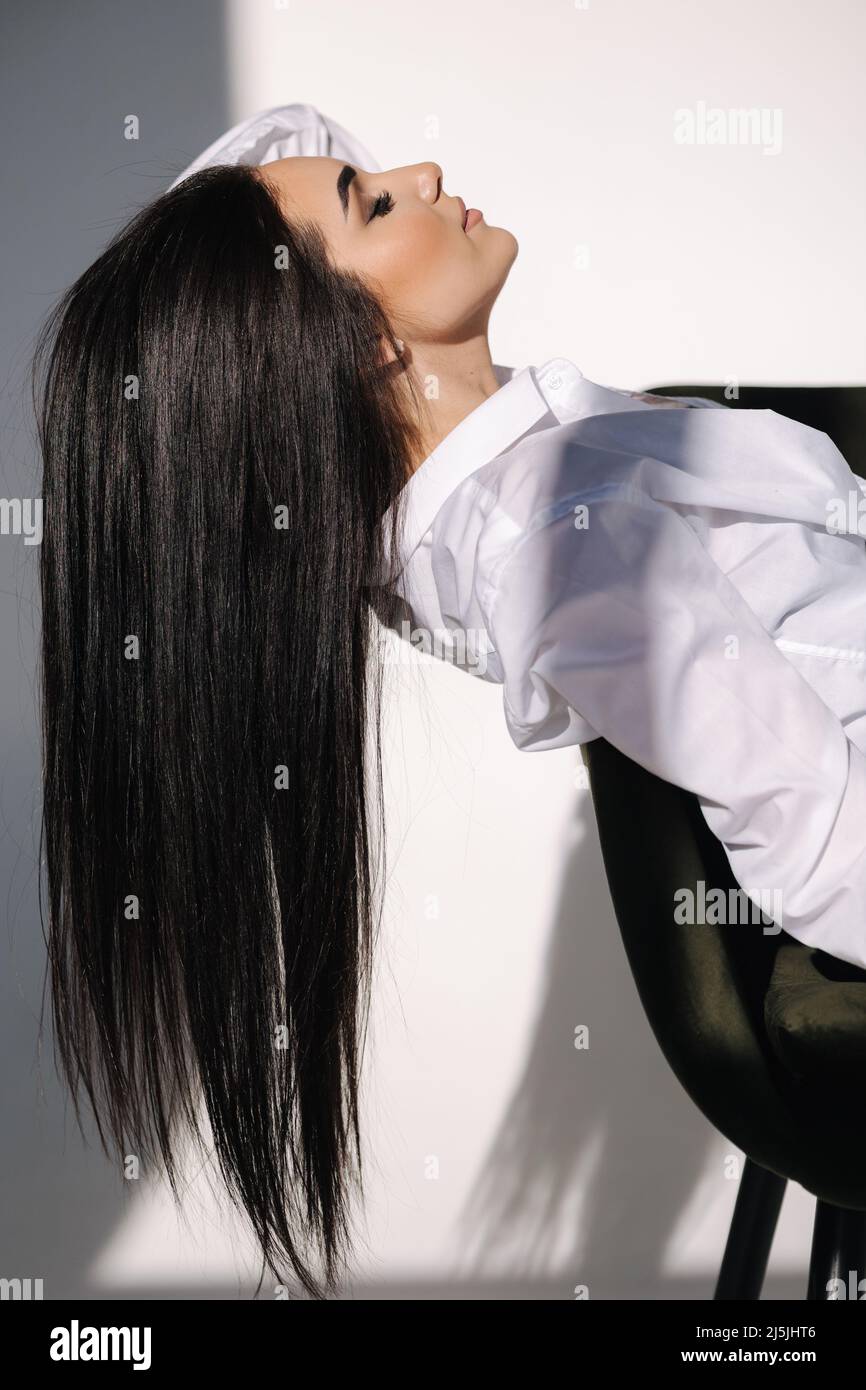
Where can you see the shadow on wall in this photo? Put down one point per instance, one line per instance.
(72, 75)
(576, 1120)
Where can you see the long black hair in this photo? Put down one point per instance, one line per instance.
(221, 447)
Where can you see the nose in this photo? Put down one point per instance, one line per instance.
(430, 181)
(425, 180)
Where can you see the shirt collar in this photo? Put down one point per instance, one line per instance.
(533, 397)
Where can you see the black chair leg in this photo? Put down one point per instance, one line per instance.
(751, 1235)
(838, 1262)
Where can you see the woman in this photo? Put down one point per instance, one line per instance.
(267, 411)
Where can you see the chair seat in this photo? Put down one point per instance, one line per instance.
(815, 1015)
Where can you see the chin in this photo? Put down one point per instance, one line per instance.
(508, 248)
(501, 236)
(508, 245)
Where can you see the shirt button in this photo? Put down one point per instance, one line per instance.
(554, 382)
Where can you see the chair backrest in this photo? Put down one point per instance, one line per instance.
(703, 987)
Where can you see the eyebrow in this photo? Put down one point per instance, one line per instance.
(344, 178)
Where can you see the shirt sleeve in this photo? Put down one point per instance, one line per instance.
(626, 619)
(281, 132)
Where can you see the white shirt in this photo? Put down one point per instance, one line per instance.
(688, 583)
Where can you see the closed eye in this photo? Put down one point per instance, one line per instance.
(381, 206)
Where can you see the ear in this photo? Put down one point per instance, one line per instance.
(387, 355)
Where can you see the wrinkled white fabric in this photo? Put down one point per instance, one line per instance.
(689, 584)
(282, 132)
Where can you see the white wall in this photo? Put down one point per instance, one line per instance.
(558, 120)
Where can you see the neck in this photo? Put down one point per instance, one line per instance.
(453, 379)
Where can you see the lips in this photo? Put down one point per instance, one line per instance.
(470, 215)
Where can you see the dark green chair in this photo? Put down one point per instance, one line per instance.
(766, 1035)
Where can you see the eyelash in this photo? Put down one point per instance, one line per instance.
(382, 206)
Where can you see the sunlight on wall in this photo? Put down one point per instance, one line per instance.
(644, 259)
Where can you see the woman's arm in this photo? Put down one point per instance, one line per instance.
(630, 622)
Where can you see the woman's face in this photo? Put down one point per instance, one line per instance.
(404, 236)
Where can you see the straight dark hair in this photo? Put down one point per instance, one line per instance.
(221, 446)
